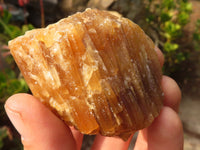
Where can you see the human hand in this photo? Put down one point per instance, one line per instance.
(40, 129)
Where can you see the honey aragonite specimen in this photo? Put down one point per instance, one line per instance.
(99, 72)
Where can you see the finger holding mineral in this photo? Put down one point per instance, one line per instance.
(99, 72)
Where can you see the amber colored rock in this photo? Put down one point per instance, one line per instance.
(98, 71)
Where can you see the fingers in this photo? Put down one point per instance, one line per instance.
(77, 136)
(165, 133)
(38, 126)
(160, 56)
(172, 93)
(109, 143)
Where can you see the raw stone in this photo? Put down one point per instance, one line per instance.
(99, 72)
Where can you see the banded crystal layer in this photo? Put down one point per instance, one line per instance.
(99, 72)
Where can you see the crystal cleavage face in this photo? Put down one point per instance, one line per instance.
(99, 72)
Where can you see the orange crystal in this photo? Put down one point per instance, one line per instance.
(98, 71)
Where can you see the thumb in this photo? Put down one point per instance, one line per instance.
(39, 127)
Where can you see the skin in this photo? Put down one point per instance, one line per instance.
(40, 129)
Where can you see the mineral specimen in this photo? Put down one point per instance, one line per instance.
(98, 71)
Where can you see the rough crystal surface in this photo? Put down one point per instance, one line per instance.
(99, 72)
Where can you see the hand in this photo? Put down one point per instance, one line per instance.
(40, 129)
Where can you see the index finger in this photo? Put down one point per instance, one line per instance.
(172, 93)
(160, 56)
